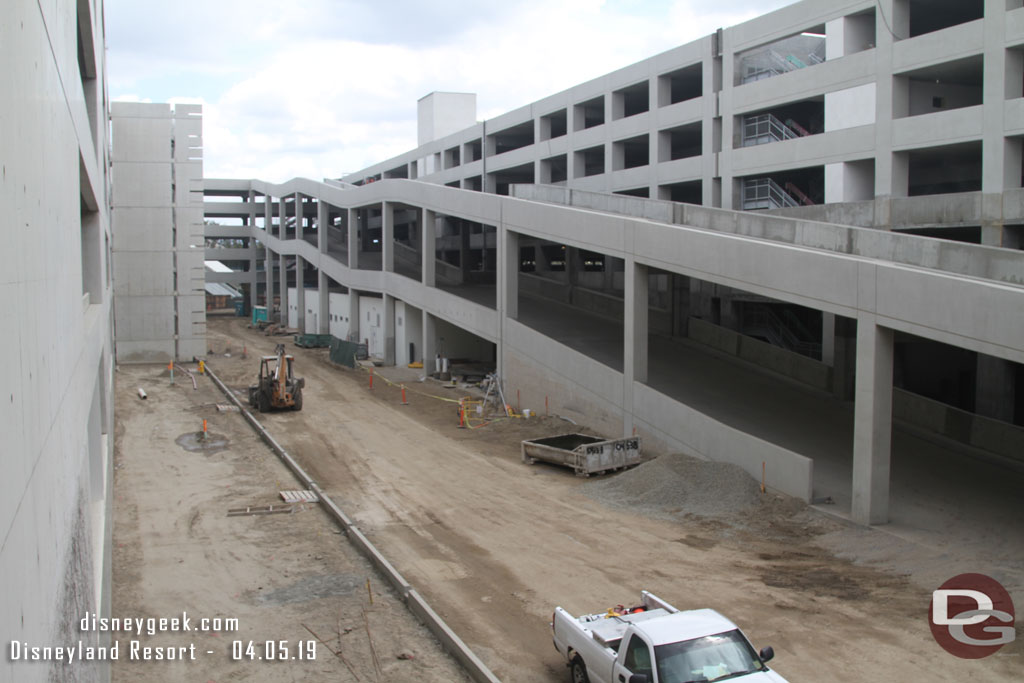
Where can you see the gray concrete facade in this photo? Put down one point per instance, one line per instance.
(57, 415)
(885, 284)
(157, 215)
(823, 102)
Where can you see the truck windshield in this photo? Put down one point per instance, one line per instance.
(711, 658)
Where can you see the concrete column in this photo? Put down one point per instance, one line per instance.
(268, 274)
(636, 312)
(300, 293)
(680, 288)
(727, 310)
(572, 266)
(711, 131)
(353, 238)
(428, 241)
(634, 362)
(844, 375)
(542, 266)
(891, 172)
(995, 381)
(828, 338)
(282, 217)
(995, 388)
(283, 268)
(322, 218)
(387, 237)
(353, 315)
(323, 318)
(251, 245)
(995, 175)
(463, 250)
(508, 275)
(299, 216)
(389, 329)
(268, 264)
(429, 344)
(872, 428)
(268, 212)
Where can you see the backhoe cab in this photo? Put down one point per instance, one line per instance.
(277, 388)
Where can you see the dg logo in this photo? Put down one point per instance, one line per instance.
(971, 616)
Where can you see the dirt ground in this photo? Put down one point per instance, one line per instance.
(284, 577)
(494, 544)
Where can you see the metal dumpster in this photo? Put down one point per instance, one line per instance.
(312, 341)
(583, 453)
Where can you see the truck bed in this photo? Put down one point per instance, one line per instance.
(608, 630)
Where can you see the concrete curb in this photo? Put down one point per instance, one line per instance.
(415, 603)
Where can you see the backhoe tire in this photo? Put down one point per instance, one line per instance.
(297, 397)
(263, 403)
(579, 671)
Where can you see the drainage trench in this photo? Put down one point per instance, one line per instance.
(415, 602)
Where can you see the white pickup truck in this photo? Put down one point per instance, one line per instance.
(656, 643)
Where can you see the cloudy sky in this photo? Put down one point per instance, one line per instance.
(320, 88)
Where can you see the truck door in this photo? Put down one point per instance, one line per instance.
(637, 658)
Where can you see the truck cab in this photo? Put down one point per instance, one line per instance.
(655, 643)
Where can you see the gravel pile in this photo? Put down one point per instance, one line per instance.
(679, 485)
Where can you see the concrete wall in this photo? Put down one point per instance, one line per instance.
(933, 420)
(372, 322)
(308, 322)
(443, 113)
(55, 301)
(339, 310)
(408, 330)
(850, 107)
(293, 308)
(158, 233)
(312, 317)
(792, 365)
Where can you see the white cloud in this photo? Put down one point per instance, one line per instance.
(331, 87)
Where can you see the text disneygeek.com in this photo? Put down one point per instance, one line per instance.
(143, 650)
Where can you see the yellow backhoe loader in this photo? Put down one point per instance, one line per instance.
(277, 388)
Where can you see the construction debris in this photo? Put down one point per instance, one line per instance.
(261, 510)
(299, 497)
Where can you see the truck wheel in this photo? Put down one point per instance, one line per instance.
(579, 671)
(297, 398)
